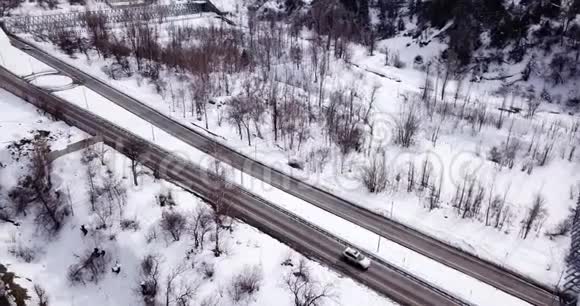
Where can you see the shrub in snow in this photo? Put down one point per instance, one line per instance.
(166, 199)
(23, 252)
(546, 96)
(130, 224)
(245, 283)
(495, 155)
(407, 127)
(151, 234)
(173, 223)
(562, 228)
(149, 283)
(535, 216)
(418, 62)
(374, 174)
(397, 62)
(90, 268)
(208, 270)
(506, 154)
(317, 159)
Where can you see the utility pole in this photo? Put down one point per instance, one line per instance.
(85, 95)
(31, 67)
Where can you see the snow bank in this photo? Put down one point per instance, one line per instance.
(443, 276)
(246, 246)
(52, 81)
(17, 61)
(4, 41)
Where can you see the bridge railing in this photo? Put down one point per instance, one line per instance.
(28, 24)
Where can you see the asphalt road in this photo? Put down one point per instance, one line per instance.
(267, 217)
(485, 271)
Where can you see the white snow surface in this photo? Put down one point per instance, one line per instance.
(458, 151)
(52, 81)
(244, 247)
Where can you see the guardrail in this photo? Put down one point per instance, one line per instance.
(116, 15)
(123, 141)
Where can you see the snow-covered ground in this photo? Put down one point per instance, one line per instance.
(468, 288)
(423, 267)
(244, 247)
(31, 8)
(458, 151)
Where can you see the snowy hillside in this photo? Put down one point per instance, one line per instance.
(473, 143)
(130, 228)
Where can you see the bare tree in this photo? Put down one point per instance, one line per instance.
(149, 283)
(218, 200)
(532, 104)
(41, 295)
(305, 290)
(374, 173)
(428, 85)
(178, 291)
(173, 223)
(134, 151)
(239, 113)
(407, 127)
(91, 185)
(114, 191)
(90, 268)
(427, 169)
(200, 225)
(36, 187)
(534, 217)
(469, 197)
(7, 5)
(411, 177)
(434, 196)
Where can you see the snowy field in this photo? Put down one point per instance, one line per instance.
(468, 288)
(245, 246)
(458, 151)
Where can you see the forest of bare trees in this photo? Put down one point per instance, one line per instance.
(278, 88)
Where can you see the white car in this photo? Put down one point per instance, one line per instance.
(355, 257)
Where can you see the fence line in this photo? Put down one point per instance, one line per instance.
(116, 15)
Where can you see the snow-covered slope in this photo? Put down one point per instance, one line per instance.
(50, 256)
